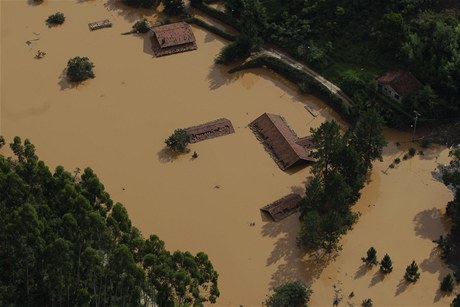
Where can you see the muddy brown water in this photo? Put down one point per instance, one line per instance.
(117, 123)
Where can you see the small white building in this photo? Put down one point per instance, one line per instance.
(397, 84)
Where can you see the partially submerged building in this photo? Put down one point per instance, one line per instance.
(172, 38)
(283, 144)
(210, 130)
(398, 84)
(283, 207)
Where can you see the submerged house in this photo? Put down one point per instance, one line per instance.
(172, 38)
(397, 84)
(219, 127)
(285, 147)
(283, 207)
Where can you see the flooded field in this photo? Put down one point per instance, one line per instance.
(117, 123)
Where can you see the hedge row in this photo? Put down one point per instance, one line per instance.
(211, 28)
(306, 83)
(219, 15)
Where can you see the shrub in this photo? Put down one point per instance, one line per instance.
(79, 69)
(456, 301)
(412, 151)
(289, 294)
(140, 3)
(56, 19)
(386, 265)
(397, 161)
(195, 155)
(141, 26)
(367, 303)
(237, 50)
(447, 284)
(178, 141)
(371, 258)
(412, 274)
(392, 165)
(405, 157)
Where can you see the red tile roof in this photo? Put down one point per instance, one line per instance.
(174, 34)
(403, 82)
(280, 140)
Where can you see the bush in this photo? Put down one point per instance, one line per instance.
(141, 26)
(56, 19)
(237, 50)
(456, 301)
(412, 274)
(397, 161)
(405, 157)
(367, 303)
(140, 3)
(79, 69)
(386, 265)
(178, 141)
(412, 151)
(293, 294)
(371, 258)
(447, 284)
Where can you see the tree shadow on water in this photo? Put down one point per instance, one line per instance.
(218, 76)
(298, 264)
(378, 277)
(362, 270)
(402, 286)
(167, 155)
(428, 224)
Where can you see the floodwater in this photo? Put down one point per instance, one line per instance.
(117, 123)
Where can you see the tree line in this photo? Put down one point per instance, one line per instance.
(63, 241)
(342, 164)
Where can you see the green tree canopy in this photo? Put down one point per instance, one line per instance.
(293, 294)
(63, 242)
(80, 69)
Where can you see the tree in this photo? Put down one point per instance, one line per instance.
(367, 136)
(56, 19)
(456, 301)
(253, 22)
(371, 258)
(79, 69)
(412, 274)
(293, 294)
(174, 7)
(62, 243)
(141, 3)
(367, 303)
(447, 284)
(386, 265)
(2, 141)
(141, 26)
(178, 141)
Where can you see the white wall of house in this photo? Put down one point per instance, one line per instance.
(389, 91)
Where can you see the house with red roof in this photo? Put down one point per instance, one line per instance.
(398, 84)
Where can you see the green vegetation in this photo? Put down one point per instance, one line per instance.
(2, 141)
(412, 151)
(412, 274)
(195, 155)
(141, 26)
(293, 294)
(339, 171)
(178, 141)
(56, 19)
(367, 303)
(80, 69)
(447, 283)
(456, 301)
(141, 3)
(174, 7)
(386, 265)
(371, 257)
(65, 243)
